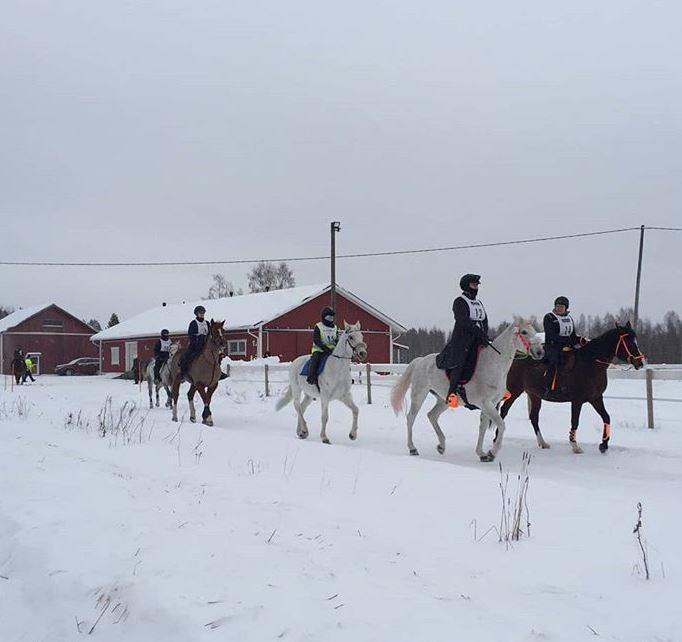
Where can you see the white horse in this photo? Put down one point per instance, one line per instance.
(164, 374)
(334, 382)
(485, 390)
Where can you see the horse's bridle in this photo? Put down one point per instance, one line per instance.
(622, 340)
(353, 347)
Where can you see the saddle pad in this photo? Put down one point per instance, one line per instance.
(320, 366)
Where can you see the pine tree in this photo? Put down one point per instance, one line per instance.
(95, 324)
(113, 320)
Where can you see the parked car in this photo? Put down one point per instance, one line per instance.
(80, 366)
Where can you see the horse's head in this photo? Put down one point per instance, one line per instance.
(627, 349)
(354, 338)
(216, 331)
(527, 340)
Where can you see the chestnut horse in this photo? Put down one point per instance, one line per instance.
(581, 379)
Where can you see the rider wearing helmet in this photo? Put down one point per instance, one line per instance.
(470, 332)
(560, 336)
(197, 332)
(161, 353)
(325, 337)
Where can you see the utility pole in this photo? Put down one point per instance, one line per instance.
(639, 276)
(335, 227)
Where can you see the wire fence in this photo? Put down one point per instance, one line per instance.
(384, 375)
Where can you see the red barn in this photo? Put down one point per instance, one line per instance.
(48, 334)
(277, 323)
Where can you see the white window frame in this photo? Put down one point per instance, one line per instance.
(238, 352)
(130, 354)
(115, 356)
(35, 357)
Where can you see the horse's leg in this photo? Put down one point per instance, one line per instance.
(598, 405)
(349, 403)
(206, 394)
(157, 394)
(190, 400)
(302, 426)
(489, 412)
(416, 401)
(175, 393)
(576, 407)
(325, 417)
(168, 395)
(534, 404)
(149, 389)
(433, 415)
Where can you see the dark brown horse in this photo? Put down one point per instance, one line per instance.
(19, 369)
(581, 379)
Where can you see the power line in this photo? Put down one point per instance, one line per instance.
(355, 255)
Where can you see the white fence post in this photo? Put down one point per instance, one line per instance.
(649, 374)
(369, 383)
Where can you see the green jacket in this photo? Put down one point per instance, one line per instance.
(324, 338)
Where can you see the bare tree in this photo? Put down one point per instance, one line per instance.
(266, 276)
(5, 311)
(94, 323)
(222, 288)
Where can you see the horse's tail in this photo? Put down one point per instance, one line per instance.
(284, 399)
(399, 391)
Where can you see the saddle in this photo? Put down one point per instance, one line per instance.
(305, 370)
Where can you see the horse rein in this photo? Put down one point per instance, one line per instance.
(352, 347)
(622, 340)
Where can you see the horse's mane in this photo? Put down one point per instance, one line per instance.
(599, 346)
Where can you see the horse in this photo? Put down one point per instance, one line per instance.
(334, 382)
(164, 375)
(581, 381)
(485, 389)
(203, 374)
(19, 369)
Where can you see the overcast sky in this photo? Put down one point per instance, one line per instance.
(168, 130)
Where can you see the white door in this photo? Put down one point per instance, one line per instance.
(35, 357)
(131, 354)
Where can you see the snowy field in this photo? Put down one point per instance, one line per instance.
(160, 531)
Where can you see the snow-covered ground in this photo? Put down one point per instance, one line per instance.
(242, 532)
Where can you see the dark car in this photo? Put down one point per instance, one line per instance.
(80, 366)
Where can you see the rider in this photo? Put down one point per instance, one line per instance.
(198, 333)
(560, 336)
(470, 332)
(161, 353)
(325, 338)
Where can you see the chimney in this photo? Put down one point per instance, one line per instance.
(163, 305)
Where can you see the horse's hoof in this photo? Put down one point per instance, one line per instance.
(352, 436)
(193, 420)
(603, 447)
(207, 422)
(175, 419)
(577, 449)
(488, 457)
(544, 445)
(440, 448)
(414, 451)
(302, 435)
(326, 441)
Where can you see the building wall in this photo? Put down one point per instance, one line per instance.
(55, 345)
(286, 337)
(289, 345)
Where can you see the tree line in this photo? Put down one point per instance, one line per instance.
(660, 341)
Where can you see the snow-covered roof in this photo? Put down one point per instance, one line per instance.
(239, 312)
(19, 316)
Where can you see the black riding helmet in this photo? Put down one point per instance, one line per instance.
(327, 315)
(198, 309)
(469, 278)
(561, 300)
(164, 333)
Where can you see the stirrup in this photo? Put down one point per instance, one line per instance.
(453, 400)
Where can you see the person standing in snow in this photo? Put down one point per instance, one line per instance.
(28, 372)
(470, 333)
(325, 338)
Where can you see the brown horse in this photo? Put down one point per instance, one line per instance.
(203, 374)
(19, 369)
(581, 379)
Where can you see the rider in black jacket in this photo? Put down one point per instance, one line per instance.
(470, 332)
(560, 335)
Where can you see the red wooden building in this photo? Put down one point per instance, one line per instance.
(277, 323)
(48, 334)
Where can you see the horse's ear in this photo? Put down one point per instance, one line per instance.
(356, 326)
(628, 325)
(345, 325)
(617, 325)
